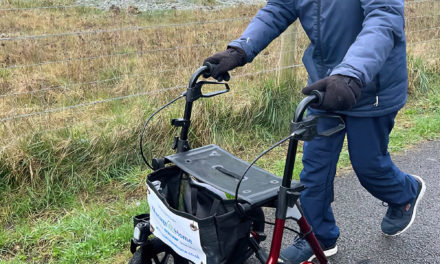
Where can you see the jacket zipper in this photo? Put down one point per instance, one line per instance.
(376, 104)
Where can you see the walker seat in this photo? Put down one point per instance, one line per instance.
(217, 167)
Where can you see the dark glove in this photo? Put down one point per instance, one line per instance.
(340, 92)
(226, 60)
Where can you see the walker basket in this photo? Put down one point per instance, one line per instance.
(198, 222)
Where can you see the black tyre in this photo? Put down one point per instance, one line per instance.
(156, 252)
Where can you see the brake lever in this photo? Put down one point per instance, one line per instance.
(333, 130)
(195, 92)
(211, 94)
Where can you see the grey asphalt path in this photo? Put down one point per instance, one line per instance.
(359, 214)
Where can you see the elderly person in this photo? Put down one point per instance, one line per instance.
(357, 56)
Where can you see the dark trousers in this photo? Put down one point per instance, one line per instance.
(368, 148)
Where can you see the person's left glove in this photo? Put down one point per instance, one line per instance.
(340, 92)
(227, 60)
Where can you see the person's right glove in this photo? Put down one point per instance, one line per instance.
(340, 92)
(226, 60)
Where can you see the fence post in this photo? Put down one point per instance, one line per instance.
(288, 53)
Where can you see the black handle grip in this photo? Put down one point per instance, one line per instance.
(210, 69)
(315, 98)
(319, 97)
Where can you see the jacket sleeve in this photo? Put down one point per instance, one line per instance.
(383, 26)
(269, 23)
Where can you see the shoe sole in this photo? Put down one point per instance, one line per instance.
(419, 197)
(328, 253)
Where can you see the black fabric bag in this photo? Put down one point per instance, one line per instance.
(224, 233)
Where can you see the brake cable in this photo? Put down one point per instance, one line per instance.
(255, 160)
(248, 168)
(148, 121)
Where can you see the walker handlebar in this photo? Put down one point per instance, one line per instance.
(316, 97)
(194, 90)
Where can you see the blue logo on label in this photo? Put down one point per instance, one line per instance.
(168, 225)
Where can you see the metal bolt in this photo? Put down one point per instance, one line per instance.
(193, 227)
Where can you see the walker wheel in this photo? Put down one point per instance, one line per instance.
(156, 252)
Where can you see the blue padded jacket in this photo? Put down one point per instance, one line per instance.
(364, 39)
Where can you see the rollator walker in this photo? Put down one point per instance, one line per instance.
(205, 204)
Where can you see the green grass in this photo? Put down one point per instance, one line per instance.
(85, 234)
(93, 226)
(5, 74)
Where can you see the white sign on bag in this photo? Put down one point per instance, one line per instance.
(181, 234)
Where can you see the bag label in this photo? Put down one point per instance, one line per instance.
(180, 233)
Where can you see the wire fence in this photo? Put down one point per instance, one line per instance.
(140, 53)
(139, 28)
(158, 50)
(117, 78)
(429, 33)
(112, 99)
(130, 28)
(87, 104)
(130, 53)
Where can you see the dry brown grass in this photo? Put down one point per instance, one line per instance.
(47, 74)
(41, 75)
